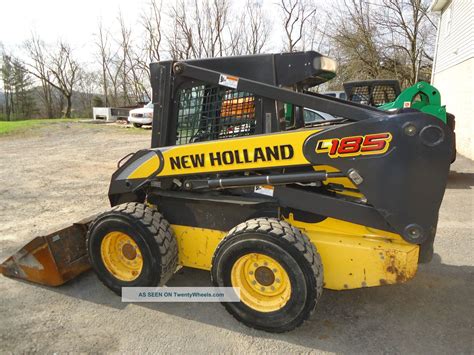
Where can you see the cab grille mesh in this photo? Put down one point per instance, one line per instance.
(214, 112)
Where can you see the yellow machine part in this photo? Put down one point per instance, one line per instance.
(121, 256)
(196, 245)
(264, 283)
(356, 256)
(244, 147)
(344, 181)
(353, 256)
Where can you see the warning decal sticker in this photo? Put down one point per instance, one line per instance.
(229, 81)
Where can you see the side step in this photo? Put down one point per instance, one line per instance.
(54, 259)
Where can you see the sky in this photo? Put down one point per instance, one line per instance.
(74, 21)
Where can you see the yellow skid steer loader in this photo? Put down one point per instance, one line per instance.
(235, 185)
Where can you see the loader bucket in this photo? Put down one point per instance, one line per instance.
(51, 260)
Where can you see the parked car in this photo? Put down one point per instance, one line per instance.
(144, 116)
(141, 116)
(312, 116)
(337, 94)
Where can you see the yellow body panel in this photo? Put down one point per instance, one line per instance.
(353, 256)
(244, 153)
(196, 245)
(147, 168)
(356, 256)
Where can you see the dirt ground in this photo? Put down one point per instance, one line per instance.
(60, 174)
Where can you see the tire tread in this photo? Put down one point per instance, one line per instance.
(295, 237)
(157, 226)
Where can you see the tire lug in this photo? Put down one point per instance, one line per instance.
(254, 282)
(277, 280)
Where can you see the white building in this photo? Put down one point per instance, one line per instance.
(453, 67)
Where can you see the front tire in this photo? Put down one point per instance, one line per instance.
(137, 125)
(277, 269)
(132, 245)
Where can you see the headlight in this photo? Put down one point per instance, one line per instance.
(325, 63)
(148, 115)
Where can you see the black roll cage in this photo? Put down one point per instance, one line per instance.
(170, 76)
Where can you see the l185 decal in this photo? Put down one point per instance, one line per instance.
(369, 144)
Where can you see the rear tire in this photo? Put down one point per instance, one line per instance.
(283, 256)
(132, 245)
(451, 122)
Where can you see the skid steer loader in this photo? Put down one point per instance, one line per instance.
(348, 203)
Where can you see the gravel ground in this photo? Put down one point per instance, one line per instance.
(60, 174)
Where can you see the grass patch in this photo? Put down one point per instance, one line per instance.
(8, 127)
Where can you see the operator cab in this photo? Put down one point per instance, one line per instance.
(206, 112)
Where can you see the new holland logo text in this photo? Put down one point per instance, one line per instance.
(231, 157)
(370, 144)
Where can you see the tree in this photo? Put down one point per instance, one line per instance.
(251, 33)
(198, 29)
(356, 36)
(296, 16)
(151, 21)
(111, 64)
(58, 69)
(87, 88)
(383, 39)
(17, 85)
(65, 71)
(23, 84)
(135, 71)
(124, 45)
(411, 36)
(181, 40)
(151, 52)
(7, 78)
(35, 49)
(102, 42)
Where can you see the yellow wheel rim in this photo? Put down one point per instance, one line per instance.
(263, 282)
(121, 256)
